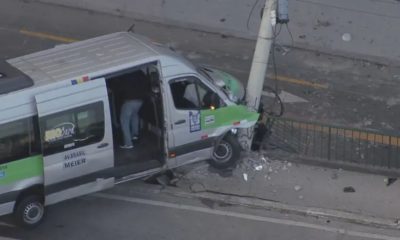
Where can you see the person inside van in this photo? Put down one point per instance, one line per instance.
(133, 93)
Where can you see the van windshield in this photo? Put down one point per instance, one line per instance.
(230, 85)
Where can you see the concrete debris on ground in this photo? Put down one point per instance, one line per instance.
(346, 37)
(390, 181)
(299, 184)
(258, 162)
(297, 188)
(245, 176)
(258, 168)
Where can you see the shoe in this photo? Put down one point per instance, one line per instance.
(134, 138)
(126, 146)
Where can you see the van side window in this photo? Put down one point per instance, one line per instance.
(72, 128)
(191, 93)
(209, 98)
(18, 140)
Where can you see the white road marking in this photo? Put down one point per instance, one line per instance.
(6, 225)
(244, 216)
(286, 97)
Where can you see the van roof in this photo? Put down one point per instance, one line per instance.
(71, 61)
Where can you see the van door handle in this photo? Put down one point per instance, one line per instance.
(180, 122)
(103, 145)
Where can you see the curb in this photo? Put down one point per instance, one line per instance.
(349, 217)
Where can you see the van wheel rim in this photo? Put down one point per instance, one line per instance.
(33, 213)
(223, 153)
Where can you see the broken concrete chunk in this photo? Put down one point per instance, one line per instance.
(390, 181)
(346, 37)
(263, 159)
(258, 168)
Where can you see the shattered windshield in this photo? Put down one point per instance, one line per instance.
(231, 86)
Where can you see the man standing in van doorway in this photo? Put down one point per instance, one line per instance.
(133, 93)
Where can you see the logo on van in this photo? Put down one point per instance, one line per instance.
(2, 174)
(60, 132)
(208, 120)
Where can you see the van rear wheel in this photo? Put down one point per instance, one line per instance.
(227, 153)
(30, 211)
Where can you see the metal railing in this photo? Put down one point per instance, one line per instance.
(334, 143)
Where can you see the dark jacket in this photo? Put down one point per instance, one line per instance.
(135, 86)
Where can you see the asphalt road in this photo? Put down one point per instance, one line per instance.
(150, 215)
(335, 90)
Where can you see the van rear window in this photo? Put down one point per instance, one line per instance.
(19, 139)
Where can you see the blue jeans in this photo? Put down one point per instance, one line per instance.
(130, 120)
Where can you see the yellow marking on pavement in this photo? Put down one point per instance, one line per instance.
(281, 78)
(300, 82)
(355, 134)
(48, 36)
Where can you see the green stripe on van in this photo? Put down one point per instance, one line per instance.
(21, 169)
(226, 116)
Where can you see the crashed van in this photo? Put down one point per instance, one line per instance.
(60, 129)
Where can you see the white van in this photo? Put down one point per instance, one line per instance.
(60, 128)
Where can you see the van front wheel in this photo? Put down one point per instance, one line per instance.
(226, 153)
(29, 212)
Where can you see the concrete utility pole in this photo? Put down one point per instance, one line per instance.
(260, 58)
(258, 68)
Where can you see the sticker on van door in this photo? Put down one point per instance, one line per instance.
(208, 120)
(3, 170)
(194, 121)
(60, 132)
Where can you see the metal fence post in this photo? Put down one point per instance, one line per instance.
(329, 143)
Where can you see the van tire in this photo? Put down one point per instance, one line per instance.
(30, 211)
(226, 153)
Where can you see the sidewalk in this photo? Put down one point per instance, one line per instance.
(299, 185)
